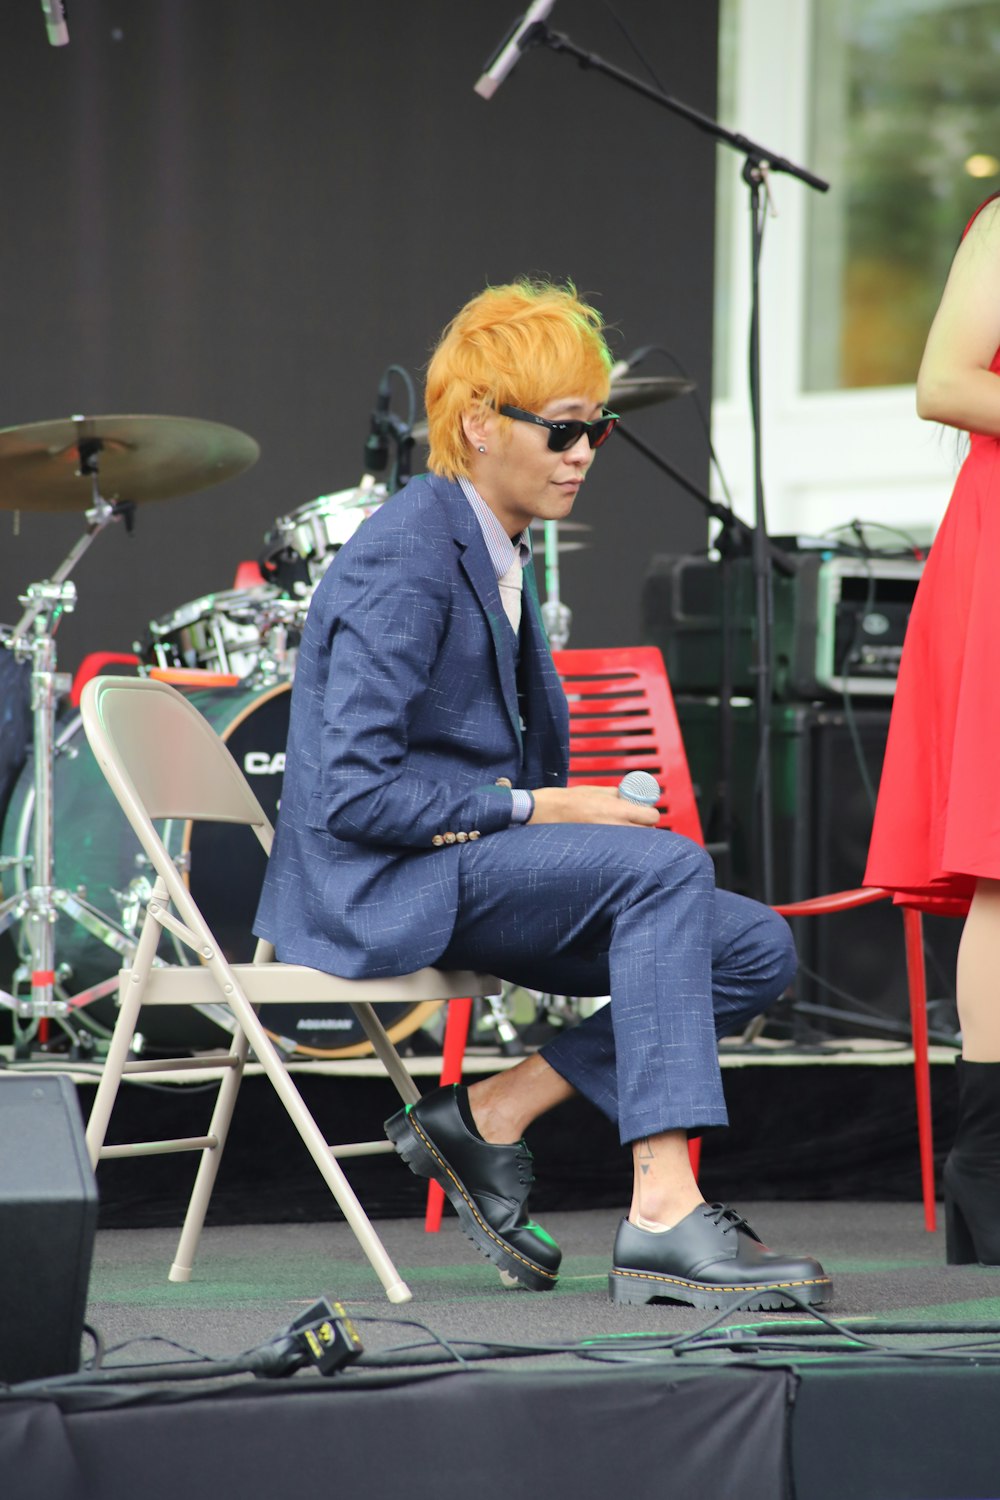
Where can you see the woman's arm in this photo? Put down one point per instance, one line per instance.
(955, 384)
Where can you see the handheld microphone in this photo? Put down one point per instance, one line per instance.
(55, 22)
(507, 54)
(640, 787)
(377, 446)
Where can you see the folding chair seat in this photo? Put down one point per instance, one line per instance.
(163, 761)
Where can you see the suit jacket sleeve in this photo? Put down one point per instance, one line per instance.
(407, 721)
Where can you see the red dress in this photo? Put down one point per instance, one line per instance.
(937, 822)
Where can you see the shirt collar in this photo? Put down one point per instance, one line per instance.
(499, 545)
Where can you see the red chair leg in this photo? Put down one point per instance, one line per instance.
(456, 1034)
(694, 1154)
(917, 982)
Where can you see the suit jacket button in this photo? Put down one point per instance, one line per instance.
(475, 834)
(461, 838)
(437, 841)
(449, 838)
(503, 781)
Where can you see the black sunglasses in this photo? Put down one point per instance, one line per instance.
(564, 435)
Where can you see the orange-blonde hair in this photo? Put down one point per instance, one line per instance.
(524, 345)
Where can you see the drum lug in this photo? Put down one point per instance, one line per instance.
(132, 902)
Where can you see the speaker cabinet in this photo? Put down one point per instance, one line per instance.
(852, 977)
(48, 1216)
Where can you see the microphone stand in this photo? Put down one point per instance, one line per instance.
(736, 538)
(758, 162)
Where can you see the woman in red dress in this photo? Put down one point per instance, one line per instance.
(936, 836)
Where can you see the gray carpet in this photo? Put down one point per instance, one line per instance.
(251, 1282)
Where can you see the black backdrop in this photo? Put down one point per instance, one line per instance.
(242, 210)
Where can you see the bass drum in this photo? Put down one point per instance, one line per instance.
(97, 856)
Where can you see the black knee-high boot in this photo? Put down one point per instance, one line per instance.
(972, 1170)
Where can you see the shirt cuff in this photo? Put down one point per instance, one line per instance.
(524, 805)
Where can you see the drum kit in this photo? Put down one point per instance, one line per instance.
(74, 886)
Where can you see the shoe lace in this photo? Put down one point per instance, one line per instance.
(525, 1171)
(728, 1219)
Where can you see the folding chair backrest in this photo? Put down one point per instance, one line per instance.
(177, 766)
(622, 718)
(163, 760)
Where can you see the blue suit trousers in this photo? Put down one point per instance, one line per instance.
(583, 909)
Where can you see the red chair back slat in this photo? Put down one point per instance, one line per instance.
(622, 718)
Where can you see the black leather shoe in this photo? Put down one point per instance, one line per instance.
(487, 1184)
(712, 1258)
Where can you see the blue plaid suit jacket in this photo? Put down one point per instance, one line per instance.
(404, 716)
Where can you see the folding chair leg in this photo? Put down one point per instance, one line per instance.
(456, 1034)
(318, 1147)
(385, 1051)
(208, 1167)
(916, 974)
(121, 1039)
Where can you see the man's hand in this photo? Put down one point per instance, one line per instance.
(589, 804)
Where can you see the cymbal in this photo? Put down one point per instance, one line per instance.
(633, 391)
(138, 459)
(627, 394)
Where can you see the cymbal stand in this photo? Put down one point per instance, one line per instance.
(32, 639)
(556, 616)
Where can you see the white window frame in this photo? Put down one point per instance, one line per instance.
(828, 458)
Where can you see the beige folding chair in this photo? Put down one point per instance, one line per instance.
(163, 760)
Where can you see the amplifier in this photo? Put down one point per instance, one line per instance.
(839, 622)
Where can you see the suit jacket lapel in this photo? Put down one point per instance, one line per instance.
(475, 561)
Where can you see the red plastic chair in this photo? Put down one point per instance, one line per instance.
(621, 718)
(916, 980)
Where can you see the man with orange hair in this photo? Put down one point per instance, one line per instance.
(425, 819)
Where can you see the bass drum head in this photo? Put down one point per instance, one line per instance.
(227, 870)
(97, 856)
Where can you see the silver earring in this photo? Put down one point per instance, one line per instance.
(482, 448)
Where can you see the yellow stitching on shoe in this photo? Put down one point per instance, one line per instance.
(717, 1286)
(508, 1249)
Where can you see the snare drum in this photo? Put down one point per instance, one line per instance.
(222, 632)
(97, 854)
(301, 546)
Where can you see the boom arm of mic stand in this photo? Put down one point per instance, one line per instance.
(714, 508)
(558, 42)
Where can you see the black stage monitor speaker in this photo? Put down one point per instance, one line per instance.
(48, 1215)
(852, 979)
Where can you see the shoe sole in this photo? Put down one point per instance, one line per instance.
(423, 1158)
(634, 1287)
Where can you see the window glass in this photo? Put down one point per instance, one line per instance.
(906, 126)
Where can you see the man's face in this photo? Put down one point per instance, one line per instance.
(520, 477)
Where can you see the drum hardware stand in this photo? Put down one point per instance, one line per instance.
(277, 618)
(33, 639)
(557, 617)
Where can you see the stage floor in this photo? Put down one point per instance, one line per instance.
(250, 1281)
(562, 1393)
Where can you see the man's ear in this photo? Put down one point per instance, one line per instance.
(478, 426)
